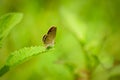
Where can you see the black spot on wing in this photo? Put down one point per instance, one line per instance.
(44, 38)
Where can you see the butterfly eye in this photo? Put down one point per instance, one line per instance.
(48, 39)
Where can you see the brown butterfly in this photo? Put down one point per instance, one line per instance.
(48, 39)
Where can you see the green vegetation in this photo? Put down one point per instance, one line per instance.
(87, 43)
(7, 22)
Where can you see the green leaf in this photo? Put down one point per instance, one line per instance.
(21, 56)
(7, 22)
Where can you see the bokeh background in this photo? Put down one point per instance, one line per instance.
(87, 43)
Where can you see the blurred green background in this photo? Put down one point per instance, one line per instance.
(87, 44)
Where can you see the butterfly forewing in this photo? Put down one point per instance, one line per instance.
(52, 32)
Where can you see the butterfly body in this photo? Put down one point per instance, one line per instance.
(48, 39)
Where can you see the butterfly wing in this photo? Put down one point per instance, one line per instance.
(48, 39)
(52, 32)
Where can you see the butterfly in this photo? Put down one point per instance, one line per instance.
(48, 39)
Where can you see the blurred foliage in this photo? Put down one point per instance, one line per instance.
(7, 22)
(87, 42)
